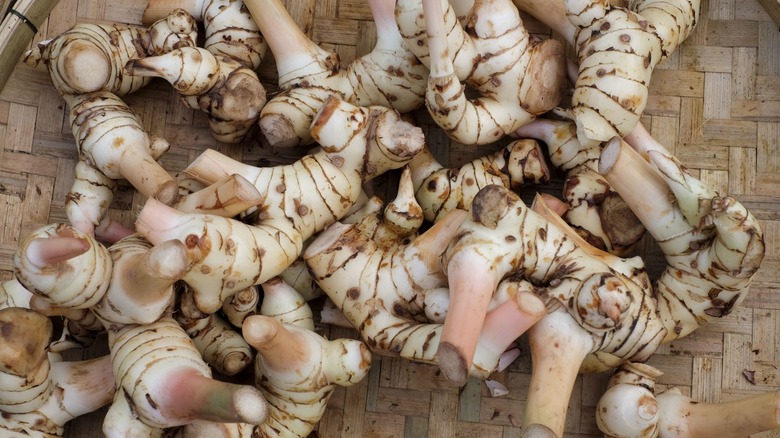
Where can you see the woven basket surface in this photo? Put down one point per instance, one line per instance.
(715, 103)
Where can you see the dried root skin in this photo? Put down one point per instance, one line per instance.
(440, 190)
(229, 92)
(25, 384)
(384, 302)
(599, 213)
(595, 210)
(516, 79)
(231, 32)
(103, 51)
(221, 346)
(242, 304)
(38, 396)
(618, 48)
(358, 144)
(111, 138)
(712, 244)
(227, 255)
(78, 282)
(308, 75)
(88, 200)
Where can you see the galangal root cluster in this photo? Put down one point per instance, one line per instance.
(212, 282)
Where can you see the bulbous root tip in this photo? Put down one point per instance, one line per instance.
(547, 72)
(83, 56)
(452, 363)
(537, 431)
(24, 336)
(235, 362)
(167, 193)
(278, 130)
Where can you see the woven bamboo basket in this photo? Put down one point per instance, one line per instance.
(715, 103)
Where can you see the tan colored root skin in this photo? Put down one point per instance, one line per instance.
(516, 82)
(110, 137)
(280, 347)
(25, 335)
(548, 74)
(681, 417)
(278, 131)
(472, 283)
(148, 276)
(595, 209)
(625, 168)
(439, 189)
(88, 384)
(309, 75)
(142, 280)
(620, 223)
(101, 50)
(558, 347)
(230, 93)
(226, 198)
